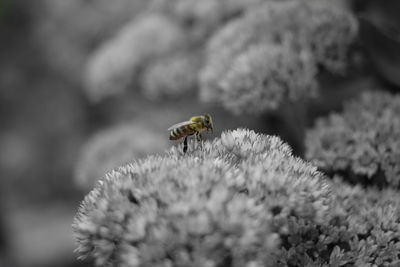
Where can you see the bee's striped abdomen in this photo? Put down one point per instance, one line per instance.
(175, 133)
(180, 132)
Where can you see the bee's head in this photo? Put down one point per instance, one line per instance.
(208, 122)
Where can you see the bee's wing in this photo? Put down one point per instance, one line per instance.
(179, 125)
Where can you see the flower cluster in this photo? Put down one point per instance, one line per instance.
(242, 200)
(362, 143)
(365, 225)
(113, 147)
(361, 229)
(231, 203)
(273, 54)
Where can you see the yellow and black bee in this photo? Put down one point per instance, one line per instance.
(194, 126)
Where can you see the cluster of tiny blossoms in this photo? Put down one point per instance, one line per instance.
(231, 203)
(243, 200)
(362, 143)
(365, 225)
(274, 52)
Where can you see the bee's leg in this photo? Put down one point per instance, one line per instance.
(185, 145)
(197, 139)
(200, 140)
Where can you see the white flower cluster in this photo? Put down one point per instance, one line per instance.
(273, 53)
(226, 204)
(363, 142)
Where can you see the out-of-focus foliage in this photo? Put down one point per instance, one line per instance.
(229, 203)
(279, 48)
(363, 142)
(111, 148)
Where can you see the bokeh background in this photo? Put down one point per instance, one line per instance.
(84, 89)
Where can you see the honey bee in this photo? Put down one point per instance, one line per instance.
(194, 126)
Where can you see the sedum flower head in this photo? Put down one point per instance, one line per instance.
(228, 204)
(276, 49)
(113, 147)
(363, 142)
(253, 85)
(330, 31)
(365, 226)
(115, 65)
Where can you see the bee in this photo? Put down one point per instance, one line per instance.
(194, 126)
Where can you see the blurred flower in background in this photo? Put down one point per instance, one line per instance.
(114, 147)
(67, 31)
(362, 142)
(279, 46)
